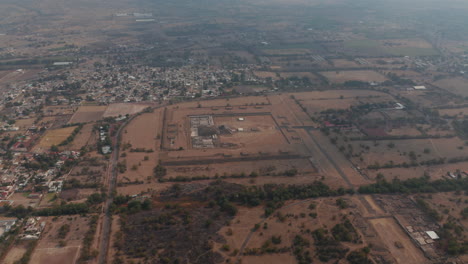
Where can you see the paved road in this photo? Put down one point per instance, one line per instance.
(111, 181)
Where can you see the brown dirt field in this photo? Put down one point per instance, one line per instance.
(21, 199)
(270, 259)
(343, 63)
(248, 89)
(268, 133)
(54, 137)
(241, 225)
(82, 138)
(389, 232)
(144, 168)
(95, 178)
(335, 94)
(303, 166)
(328, 214)
(460, 112)
(309, 75)
(435, 172)
(417, 43)
(24, 124)
(423, 98)
(15, 254)
(122, 109)
(143, 131)
(405, 74)
(48, 200)
(400, 173)
(142, 188)
(47, 251)
(88, 114)
(316, 106)
(409, 131)
(65, 255)
(343, 76)
(240, 101)
(439, 148)
(286, 51)
(265, 74)
(78, 228)
(59, 110)
(457, 85)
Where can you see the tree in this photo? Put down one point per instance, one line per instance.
(159, 171)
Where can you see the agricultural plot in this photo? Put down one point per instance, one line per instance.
(456, 112)
(82, 138)
(54, 137)
(15, 253)
(457, 85)
(406, 159)
(86, 114)
(58, 110)
(24, 124)
(344, 76)
(266, 74)
(396, 47)
(246, 89)
(282, 49)
(316, 102)
(286, 52)
(115, 110)
(343, 63)
(62, 238)
(141, 141)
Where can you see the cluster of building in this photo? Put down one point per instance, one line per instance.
(32, 229)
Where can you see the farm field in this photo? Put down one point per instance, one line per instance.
(457, 85)
(53, 137)
(51, 237)
(344, 63)
(24, 124)
(316, 102)
(82, 138)
(122, 109)
(398, 151)
(15, 253)
(458, 112)
(262, 168)
(86, 114)
(246, 89)
(282, 52)
(311, 76)
(144, 133)
(59, 110)
(266, 74)
(344, 76)
(396, 47)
